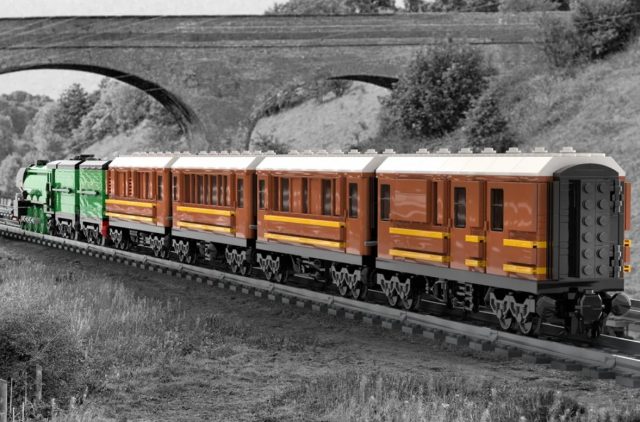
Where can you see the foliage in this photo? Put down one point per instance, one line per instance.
(330, 7)
(270, 143)
(462, 6)
(531, 5)
(72, 106)
(435, 92)
(597, 29)
(606, 26)
(9, 167)
(486, 126)
(47, 142)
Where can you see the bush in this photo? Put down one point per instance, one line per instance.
(486, 126)
(435, 92)
(606, 26)
(597, 28)
(529, 5)
(270, 143)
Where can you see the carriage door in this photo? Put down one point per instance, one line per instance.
(588, 223)
(468, 226)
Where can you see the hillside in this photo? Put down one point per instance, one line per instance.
(336, 122)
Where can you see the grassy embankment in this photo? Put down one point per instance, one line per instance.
(134, 353)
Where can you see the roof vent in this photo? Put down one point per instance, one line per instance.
(388, 151)
(466, 151)
(354, 151)
(224, 152)
(371, 151)
(337, 151)
(270, 152)
(513, 150)
(539, 150)
(294, 152)
(567, 150)
(308, 152)
(234, 152)
(321, 152)
(488, 150)
(423, 151)
(443, 151)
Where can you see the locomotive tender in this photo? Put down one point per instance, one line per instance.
(532, 236)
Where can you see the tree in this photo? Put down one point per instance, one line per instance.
(73, 105)
(7, 136)
(435, 92)
(486, 126)
(47, 142)
(329, 7)
(9, 167)
(531, 5)
(414, 6)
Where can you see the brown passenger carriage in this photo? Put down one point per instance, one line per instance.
(214, 208)
(318, 210)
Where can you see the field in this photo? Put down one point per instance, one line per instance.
(151, 347)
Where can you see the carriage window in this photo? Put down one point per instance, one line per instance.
(353, 200)
(326, 197)
(214, 190)
(276, 202)
(174, 187)
(149, 186)
(160, 196)
(460, 207)
(240, 193)
(285, 194)
(261, 194)
(385, 202)
(200, 189)
(497, 210)
(305, 195)
(224, 194)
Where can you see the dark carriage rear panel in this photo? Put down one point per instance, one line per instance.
(588, 224)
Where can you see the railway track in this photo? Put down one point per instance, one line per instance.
(607, 358)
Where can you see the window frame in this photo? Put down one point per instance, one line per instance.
(240, 192)
(327, 194)
(497, 209)
(385, 201)
(262, 192)
(353, 200)
(459, 207)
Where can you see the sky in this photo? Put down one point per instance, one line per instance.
(53, 82)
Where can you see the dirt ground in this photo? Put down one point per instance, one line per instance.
(242, 384)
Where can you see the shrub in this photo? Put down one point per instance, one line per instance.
(561, 44)
(486, 126)
(436, 90)
(605, 25)
(529, 5)
(597, 28)
(270, 143)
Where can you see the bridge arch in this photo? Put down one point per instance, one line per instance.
(185, 116)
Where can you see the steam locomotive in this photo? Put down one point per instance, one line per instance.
(531, 236)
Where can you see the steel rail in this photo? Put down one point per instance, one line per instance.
(593, 362)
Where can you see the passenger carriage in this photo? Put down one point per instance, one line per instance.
(505, 229)
(315, 217)
(139, 203)
(214, 208)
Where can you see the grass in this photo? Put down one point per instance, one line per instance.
(380, 396)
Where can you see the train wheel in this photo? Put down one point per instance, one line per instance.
(246, 269)
(507, 323)
(412, 302)
(530, 326)
(393, 299)
(282, 275)
(359, 290)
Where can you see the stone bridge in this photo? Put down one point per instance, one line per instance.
(209, 70)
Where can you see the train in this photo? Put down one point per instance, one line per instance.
(531, 236)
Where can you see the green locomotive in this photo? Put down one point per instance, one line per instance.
(64, 198)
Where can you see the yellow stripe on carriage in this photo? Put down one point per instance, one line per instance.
(131, 217)
(419, 233)
(208, 227)
(419, 255)
(226, 213)
(524, 269)
(529, 244)
(477, 263)
(132, 203)
(305, 240)
(305, 221)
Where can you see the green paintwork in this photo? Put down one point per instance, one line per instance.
(92, 193)
(37, 183)
(65, 187)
